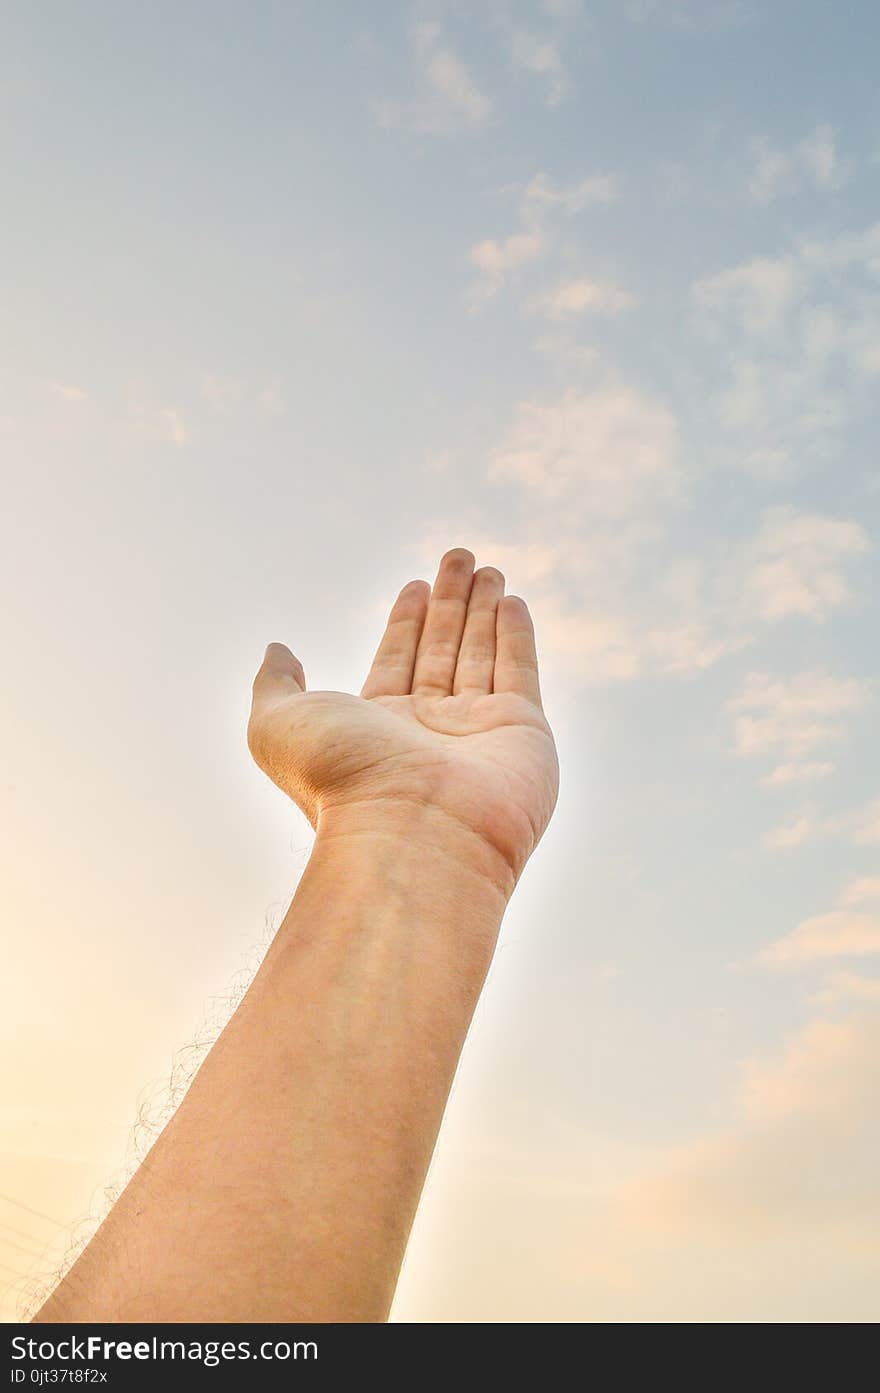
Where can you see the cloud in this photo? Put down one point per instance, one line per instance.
(582, 296)
(755, 296)
(805, 1078)
(449, 77)
(864, 891)
(792, 717)
(852, 930)
(172, 427)
(798, 773)
(813, 163)
(610, 446)
(221, 393)
(797, 340)
(539, 54)
(542, 203)
(847, 986)
(846, 251)
(543, 196)
(797, 565)
(270, 399)
(499, 260)
(861, 827)
(791, 834)
(798, 1157)
(69, 393)
(840, 933)
(448, 96)
(866, 825)
(694, 15)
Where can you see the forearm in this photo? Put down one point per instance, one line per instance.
(285, 1185)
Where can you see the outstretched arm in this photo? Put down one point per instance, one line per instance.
(284, 1187)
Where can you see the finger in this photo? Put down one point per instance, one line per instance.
(444, 624)
(516, 660)
(280, 674)
(392, 669)
(476, 656)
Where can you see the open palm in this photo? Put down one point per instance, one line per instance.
(449, 719)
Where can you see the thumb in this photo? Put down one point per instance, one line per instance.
(280, 673)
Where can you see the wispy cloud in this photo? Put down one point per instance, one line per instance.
(270, 398)
(67, 392)
(542, 195)
(805, 772)
(448, 96)
(792, 717)
(860, 827)
(541, 203)
(847, 986)
(612, 446)
(755, 296)
(694, 15)
(812, 163)
(221, 393)
(539, 54)
(497, 261)
(866, 825)
(797, 1128)
(581, 296)
(852, 930)
(798, 565)
(173, 428)
(797, 350)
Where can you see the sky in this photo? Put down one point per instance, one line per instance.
(298, 296)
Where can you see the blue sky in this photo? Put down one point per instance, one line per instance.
(296, 298)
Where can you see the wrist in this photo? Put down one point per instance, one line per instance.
(424, 839)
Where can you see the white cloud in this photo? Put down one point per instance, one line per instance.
(863, 891)
(812, 163)
(542, 202)
(798, 772)
(691, 646)
(866, 825)
(695, 15)
(755, 296)
(843, 252)
(583, 296)
(448, 95)
(791, 834)
(597, 648)
(840, 933)
(173, 428)
(852, 930)
(861, 827)
(797, 565)
(539, 54)
(806, 1077)
(449, 77)
(798, 340)
(68, 392)
(796, 1158)
(221, 393)
(270, 399)
(542, 195)
(792, 717)
(610, 446)
(498, 260)
(562, 9)
(847, 986)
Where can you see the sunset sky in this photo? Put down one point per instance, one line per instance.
(297, 296)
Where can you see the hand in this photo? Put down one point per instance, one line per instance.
(449, 724)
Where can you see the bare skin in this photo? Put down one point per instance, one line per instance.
(285, 1185)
